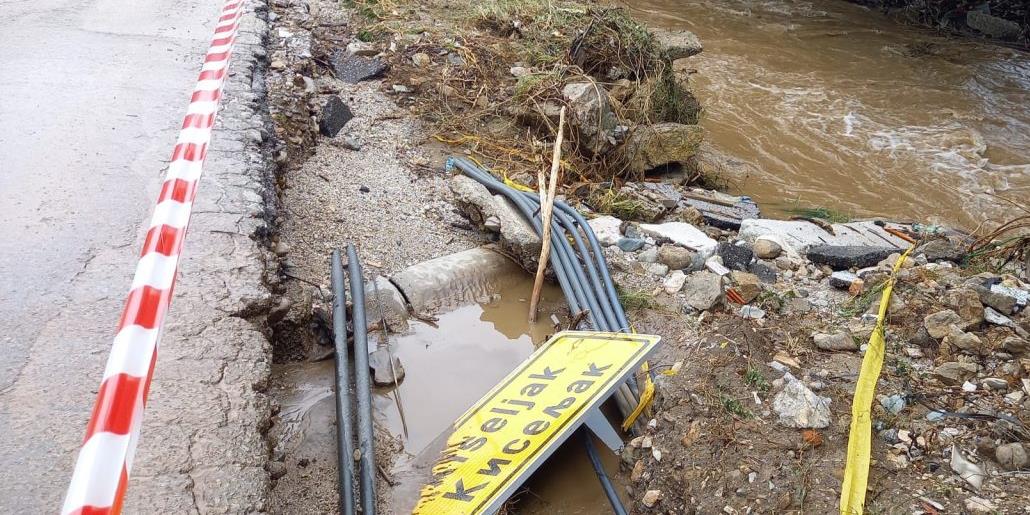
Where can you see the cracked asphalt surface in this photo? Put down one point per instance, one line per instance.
(93, 96)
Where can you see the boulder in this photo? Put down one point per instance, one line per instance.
(606, 229)
(335, 114)
(801, 408)
(382, 371)
(840, 341)
(999, 300)
(674, 282)
(516, 236)
(678, 44)
(961, 340)
(966, 303)
(940, 250)
(939, 324)
(993, 26)
(682, 234)
(703, 290)
(631, 244)
(675, 257)
(592, 117)
(766, 248)
(843, 257)
(1015, 345)
(954, 373)
(651, 146)
(735, 257)
(747, 285)
(1011, 456)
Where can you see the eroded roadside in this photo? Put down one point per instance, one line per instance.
(763, 340)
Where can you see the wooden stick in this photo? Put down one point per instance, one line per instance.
(546, 207)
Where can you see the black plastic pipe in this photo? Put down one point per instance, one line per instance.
(602, 476)
(362, 383)
(344, 449)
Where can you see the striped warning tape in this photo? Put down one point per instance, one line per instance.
(102, 469)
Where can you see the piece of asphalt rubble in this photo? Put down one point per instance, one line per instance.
(843, 257)
(335, 114)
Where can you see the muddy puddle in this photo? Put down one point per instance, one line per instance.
(449, 364)
(829, 104)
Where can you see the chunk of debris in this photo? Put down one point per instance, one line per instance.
(967, 470)
(682, 234)
(703, 290)
(801, 408)
(839, 341)
(335, 114)
(355, 68)
(843, 257)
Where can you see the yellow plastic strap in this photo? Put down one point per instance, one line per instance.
(645, 399)
(856, 473)
(516, 185)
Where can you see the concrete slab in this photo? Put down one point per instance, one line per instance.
(801, 235)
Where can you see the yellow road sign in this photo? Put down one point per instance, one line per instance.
(504, 437)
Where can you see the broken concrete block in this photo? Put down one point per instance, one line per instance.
(517, 237)
(682, 234)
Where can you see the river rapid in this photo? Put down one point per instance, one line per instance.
(832, 105)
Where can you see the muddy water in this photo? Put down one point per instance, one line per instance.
(828, 104)
(448, 366)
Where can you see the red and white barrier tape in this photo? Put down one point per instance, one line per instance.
(105, 460)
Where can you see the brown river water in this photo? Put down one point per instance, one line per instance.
(829, 104)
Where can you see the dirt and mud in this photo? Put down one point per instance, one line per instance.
(715, 440)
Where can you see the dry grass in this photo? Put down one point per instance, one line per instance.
(472, 100)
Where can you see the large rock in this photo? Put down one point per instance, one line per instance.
(845, 257)
(801, 408)
(1000, 301)
(955, 373)
(592, 117)
(1011, 456)
(516, 236)
(651, 146)
(966, 303)
(675, 257)
(839, 341)
(940, 250)
(766, 248)
(606, 229)
(747, 285)
(703, 290)
(679, 44)
(993, 26)
(939, 324)
(682, 234)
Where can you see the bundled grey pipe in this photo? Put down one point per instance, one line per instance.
(345, 453)
(597, 294)
(362, 383)
(593, 291)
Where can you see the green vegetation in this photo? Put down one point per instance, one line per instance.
(754, 379)
(821, 213)
(634, 299)
(734, 407)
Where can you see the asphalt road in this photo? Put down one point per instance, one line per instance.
(92, 93)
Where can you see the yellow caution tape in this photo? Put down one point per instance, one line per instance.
(645, 399)
(856, 473)
(519, 186)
